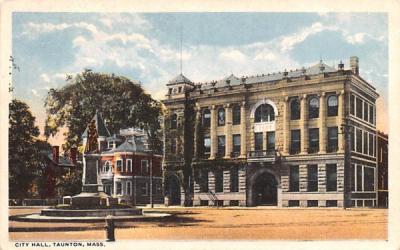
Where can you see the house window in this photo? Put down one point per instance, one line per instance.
(221, 117)
(207, 145)
(365, 143)
(331, 177)
(312, 174)
(371, 145)
(332, 105)
(119, 165)
(359, 140)
(366, 112)
(129, 165)
(294, 179)
(264, 113)
(119, 188)
(313, 143)
(313, 108)
(295, 109)
(271, 140)
(219, 184)
(371, 115)
(107, 167)
(236, 115)
(206, 118)
(258, 141)
(236, 143)
(295, 141)
(174, 118)
(332, 139)
(221, 145)
(359, 108)
(369, 184)
(129, 188)
(145, 167)
(173, 145)
(234, 180)
(352, 103)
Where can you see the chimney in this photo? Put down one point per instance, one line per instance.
(341, 65)
(354, 65)
(72, 154)
(56, 154)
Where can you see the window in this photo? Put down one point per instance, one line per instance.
(313, 108)
(207, 145)
(129, 165)
(119, 188)
(219, 184)
(236, 143)
(258, 141)
(352, 103)
(294, 203)
(271, 141)
(179, 89)
(294, 179)
(371, 145)
(221, 117)
(313, 144)
(331, 203)
(371, 115)
(119, 165)
(352, 138)
(145, 167)
(331, 177)
(359, 140)
(206, 118)
(332, 139)
(264, 113)
(234, 180)
(369, 184)
(174, 121)
(106, 167)
(332, 105)
(221, 145)
(173, 145)
(111, 144)
(366, 112)
(170, 91)
(129, 188)
(312, 177)
(353, 179)
(312, 203)
(295, 109)
(203, 181)
(359, 178)
(236, 115)
(365, 143)
(359, 108)
(145, 189)
(295, 141)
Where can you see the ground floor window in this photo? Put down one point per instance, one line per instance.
(294, 179)
(219, 181)
(312, 203)
(312, 174)
(331, 203)
(331, 177)
(203, 181)
(294, 203)
(362, 178)
(234, 180)
(119, 188)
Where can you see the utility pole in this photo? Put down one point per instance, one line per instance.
(347, 130)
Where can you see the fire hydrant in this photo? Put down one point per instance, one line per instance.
(110, 228)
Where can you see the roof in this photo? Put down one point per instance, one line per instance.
(233, 80)
(180, 79)
(129, 146)
(100, 126)
(62, 160)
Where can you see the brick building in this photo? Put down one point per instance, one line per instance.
(126, 165)
(300, 138)
(383, 170)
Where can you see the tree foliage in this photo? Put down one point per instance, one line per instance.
(25, 159)
(121, 102)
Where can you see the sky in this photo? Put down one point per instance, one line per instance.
(146, 47)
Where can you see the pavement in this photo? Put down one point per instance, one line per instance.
(225, 223)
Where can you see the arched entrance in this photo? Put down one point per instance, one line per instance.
(173, 189)
(265, 190)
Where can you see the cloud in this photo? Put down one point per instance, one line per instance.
(233, 55)
(45, 78)
(35, 93)
(356, 38)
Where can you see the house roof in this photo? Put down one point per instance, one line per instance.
(180, 79)
(100, 126)
(63, 161)
(129, 146)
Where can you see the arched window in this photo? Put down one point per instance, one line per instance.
(174, 121)
(295, 109)
(264, 113)
(236, 115)
(332, 105)
(221, 117)
(106, 167)
(313, 108)
(206, 118)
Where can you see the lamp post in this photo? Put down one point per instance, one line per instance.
(346, 131)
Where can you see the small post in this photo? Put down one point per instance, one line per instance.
(110, 228)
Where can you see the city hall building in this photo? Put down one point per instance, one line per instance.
(305, 137)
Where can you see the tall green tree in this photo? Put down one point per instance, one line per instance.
(122, 102)
(25, 151)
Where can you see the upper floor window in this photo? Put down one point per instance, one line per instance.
(313, 108)
(170, 91)
(359, 107)
(366, 112)
(295, 141)
(258, 141)
(236, 143)
(221, 117)
(313, 135)
(145, 167)
(332, 139)
(236, 115)
(352, 103)
(221, 145)
(173, 146)
(107, 167)
(332, 105)
(295, 109)
(119, 165)
(271, 140)
(174, 122)
(371, 115)
(264, 113)
(129, 165)
(206, 118)
(207, 145)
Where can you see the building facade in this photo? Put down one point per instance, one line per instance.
(383, 170)
(300, 138)
(127, 169)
